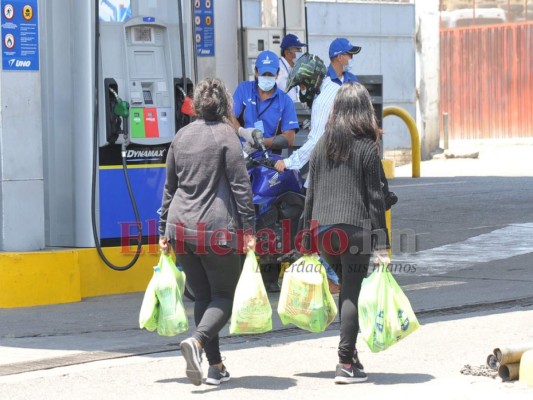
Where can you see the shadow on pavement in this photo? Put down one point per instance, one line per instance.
(322, 374)
(255, 382)
(376, 378)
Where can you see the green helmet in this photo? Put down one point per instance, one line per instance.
(309, 70)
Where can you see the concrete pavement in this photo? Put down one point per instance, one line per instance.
(93, 349)
(509, 157)
(290, 364)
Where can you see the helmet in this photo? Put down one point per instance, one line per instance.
(309, 70)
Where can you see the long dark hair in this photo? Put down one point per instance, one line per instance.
(212, 101)
(352, 117)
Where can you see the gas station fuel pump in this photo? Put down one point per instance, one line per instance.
(139, 109)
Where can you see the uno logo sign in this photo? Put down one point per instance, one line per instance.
(19, 63)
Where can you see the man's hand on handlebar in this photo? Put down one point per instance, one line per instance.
(280, 166)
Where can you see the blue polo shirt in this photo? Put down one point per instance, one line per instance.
(277, 110)
(347, 76)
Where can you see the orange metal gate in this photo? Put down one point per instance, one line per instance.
(486, 81)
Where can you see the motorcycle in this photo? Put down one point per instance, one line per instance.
(279, 203)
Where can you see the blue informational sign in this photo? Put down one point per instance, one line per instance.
(20, 35)
(204, 22)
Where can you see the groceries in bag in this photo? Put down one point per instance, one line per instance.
(168, 284)
(385, 314)
(305, 300)
(252, 312)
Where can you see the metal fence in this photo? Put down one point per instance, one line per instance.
(487, 81)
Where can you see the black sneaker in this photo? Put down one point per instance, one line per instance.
(349, 374)
(356, 363)
(215, 376)
(191, 353)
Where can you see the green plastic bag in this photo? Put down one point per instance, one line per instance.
(172, 319)
(385, 314)
(251, 311)
(305, 300)
(149, 313)
(329, 302)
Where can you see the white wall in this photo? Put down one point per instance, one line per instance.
(386, 33)
(428, 74)
(21, 159)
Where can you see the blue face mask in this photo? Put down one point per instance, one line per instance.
(266, 83)
(348, 66)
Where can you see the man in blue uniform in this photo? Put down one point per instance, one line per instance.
(341, 53)
(291, 50)
(260, 104)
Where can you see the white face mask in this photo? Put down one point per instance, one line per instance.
(266, 83)
(298, 54)
(348, 66)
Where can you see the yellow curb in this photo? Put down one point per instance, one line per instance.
(66, 276)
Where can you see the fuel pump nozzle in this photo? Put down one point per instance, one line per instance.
(257, 136)
(122, 107)
(122, 110)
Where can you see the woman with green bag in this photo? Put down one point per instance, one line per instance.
(207, 200)
(346, 200)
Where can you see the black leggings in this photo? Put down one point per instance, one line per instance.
(213, 279)
(350, 261)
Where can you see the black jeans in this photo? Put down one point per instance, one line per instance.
(349, 258)
(213, 279)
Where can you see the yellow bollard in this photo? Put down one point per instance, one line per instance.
(388, 167)
(413, 131)
(526, 368)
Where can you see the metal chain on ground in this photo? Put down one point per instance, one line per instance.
(481, 370)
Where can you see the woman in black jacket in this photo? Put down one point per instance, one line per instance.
(207, 212)
(345, 200)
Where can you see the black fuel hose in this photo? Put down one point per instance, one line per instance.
(95, 161)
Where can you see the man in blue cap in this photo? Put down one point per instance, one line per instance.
(291, 50)
(260, 104)
(341, 53)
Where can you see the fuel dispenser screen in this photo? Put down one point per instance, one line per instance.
(147, 95)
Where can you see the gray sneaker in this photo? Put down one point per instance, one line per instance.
(215, 376)
(356, 363)
(192, 354)
(349, 374)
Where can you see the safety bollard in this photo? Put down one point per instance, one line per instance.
(413, 131)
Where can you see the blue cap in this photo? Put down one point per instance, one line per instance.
(267, 61)
(342, 46)
(291, 41)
